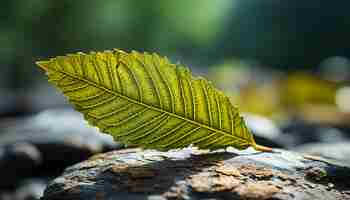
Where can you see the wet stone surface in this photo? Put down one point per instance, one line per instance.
(193, 174)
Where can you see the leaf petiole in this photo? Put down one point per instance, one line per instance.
(258, 147)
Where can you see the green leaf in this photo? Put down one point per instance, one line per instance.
(144, 100)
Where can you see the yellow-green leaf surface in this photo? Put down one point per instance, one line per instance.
(142, 99)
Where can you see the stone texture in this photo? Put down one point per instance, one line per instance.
(192, 174)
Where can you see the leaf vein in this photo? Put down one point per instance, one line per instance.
(152, 82)
(159, 124)
(207, 102)
(172, 103)
(152, 107)
(142, 125)
(135, 80)
(182, 137)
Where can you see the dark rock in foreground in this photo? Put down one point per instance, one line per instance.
(46, 143)
(133, 174)
(17, 161)
(30, 189)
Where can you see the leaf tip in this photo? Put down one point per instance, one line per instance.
(43, 64)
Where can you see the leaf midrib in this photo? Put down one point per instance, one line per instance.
(151, 106)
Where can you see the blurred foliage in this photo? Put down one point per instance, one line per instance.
(252, 88)
(287, 34)
(196, 32)
(298, 89)
(40, 28)
(282, 95)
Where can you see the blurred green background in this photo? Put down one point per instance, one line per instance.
(36, 29)
(283, 35)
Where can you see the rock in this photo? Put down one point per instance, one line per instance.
(61, 136)
(265, 131)
(17, 161)
(301, 132)
(195, 174)
(338, 151)
(31, 189)
(259, 191)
